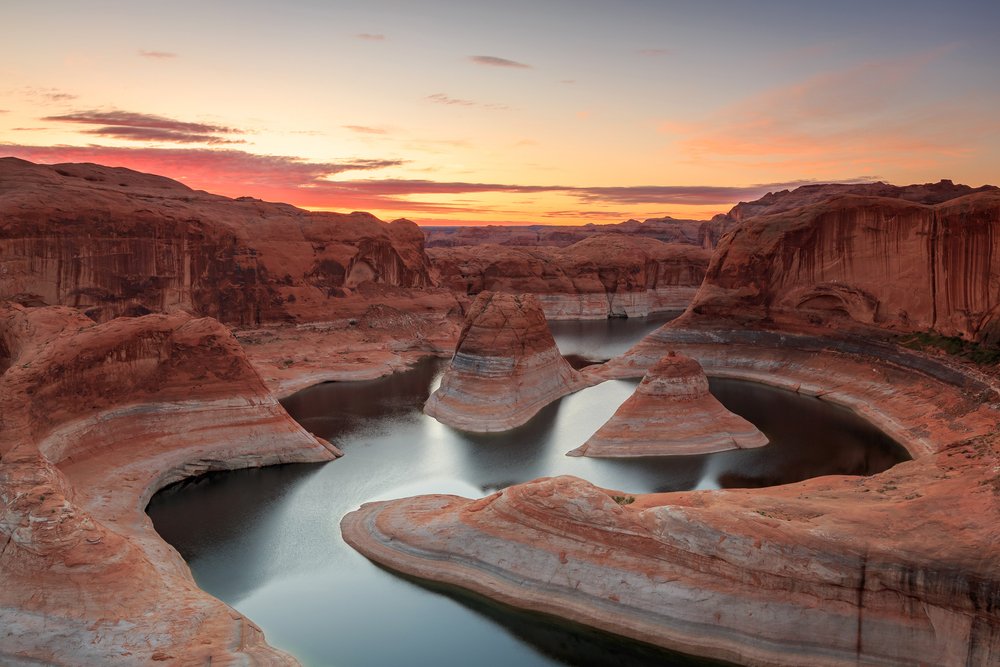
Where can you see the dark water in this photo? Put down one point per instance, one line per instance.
(267, 541)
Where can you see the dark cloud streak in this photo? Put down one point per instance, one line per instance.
(131, 126)
(493, 61)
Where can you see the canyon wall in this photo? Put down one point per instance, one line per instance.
(114, 241)
(861, 260)
(598, 277)
(94, 418)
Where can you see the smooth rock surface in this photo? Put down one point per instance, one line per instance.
(505, 369)
(94, 418)
(671, 413)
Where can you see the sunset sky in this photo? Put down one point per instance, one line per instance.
(507, 112)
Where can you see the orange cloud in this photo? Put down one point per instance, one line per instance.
(873, 111)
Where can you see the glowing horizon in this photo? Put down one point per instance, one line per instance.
(530, 113)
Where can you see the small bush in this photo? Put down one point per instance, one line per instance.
(623, 500)
(953, 345)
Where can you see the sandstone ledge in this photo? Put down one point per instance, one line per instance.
(896, 568)
(95, 419)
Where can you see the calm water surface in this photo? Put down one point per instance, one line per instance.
(268, 541)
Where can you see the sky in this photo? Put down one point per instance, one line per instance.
(541, 112)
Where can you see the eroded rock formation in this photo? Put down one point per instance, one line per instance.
(786, 200)
(671, 413)
(855, 260)
(598, 277)
(506, 367)
(115, 241)
(94, 418)
(896, 568)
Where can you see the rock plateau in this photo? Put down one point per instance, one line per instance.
(114, 241)
(598, 277)
(671, 413)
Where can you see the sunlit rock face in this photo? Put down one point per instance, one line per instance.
(671, 412)
(94, 418)
(864, 261)
(611, 275)
(505, 369)
(115, 241)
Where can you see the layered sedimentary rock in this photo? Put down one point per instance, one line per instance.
(505, 369)
(601, 276)
(869, 261)
(786, 200)
(896, 568)
(94, 418)
(115, 241)
(701, 233)
(671, 413)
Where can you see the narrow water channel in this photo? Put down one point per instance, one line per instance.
(267, 541)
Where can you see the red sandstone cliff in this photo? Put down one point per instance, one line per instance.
(94, 418)
(116, 241)
(786, 200)
(876, 261)
(601, 276)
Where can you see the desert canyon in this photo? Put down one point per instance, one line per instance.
(148, 331)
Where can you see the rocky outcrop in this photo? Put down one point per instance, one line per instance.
(701, 233)
(896, 568)
(671, 413)
(505, 369)
(863, 261)
(601, 276)
(94, 418)
(786, 200)
(114, 241)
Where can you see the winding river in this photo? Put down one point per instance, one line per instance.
(267, 541)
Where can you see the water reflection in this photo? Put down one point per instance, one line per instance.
(267, 541)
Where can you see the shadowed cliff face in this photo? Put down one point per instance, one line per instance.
(115, 241)
(885, 262)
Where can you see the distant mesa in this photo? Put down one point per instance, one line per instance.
(671, 412)
(602, 275)
(506, 367)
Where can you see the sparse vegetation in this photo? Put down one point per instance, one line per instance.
(623, 500)
(929, 341)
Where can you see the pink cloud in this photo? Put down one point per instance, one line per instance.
(305, 183)
(157, 55)
(873, 110)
